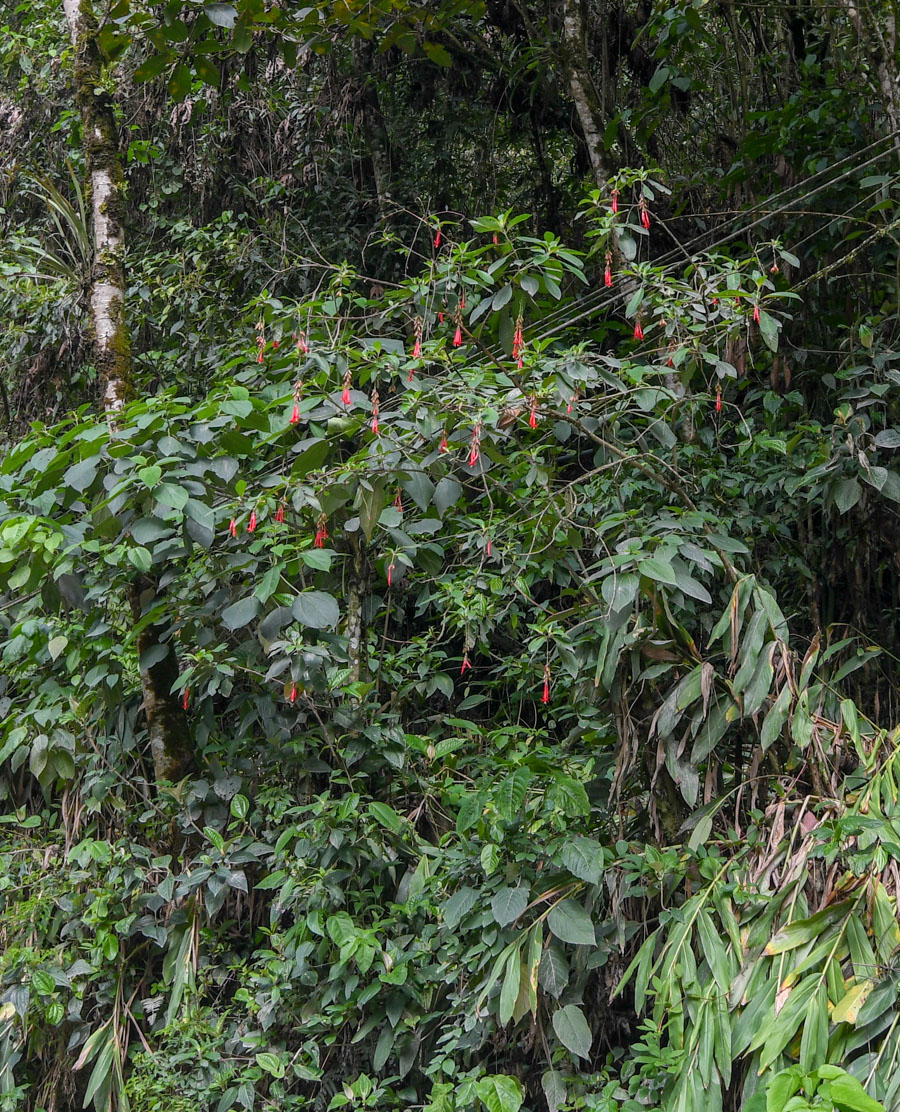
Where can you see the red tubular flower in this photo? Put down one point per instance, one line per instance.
(390, 574)
(475, 448)
(259, 358)
(345, 396)
(615, 200)
(773, 269)
(462, 303)
(409, 377)
(275, 344)
(232, 528)
(279, 513)
(756, 313)
(607, 276)
(293, 694)
(488, 549)
(532, 418)
(375, 425)
(638, 331)
(445, 447)
(496, 239)
(645, 215)
(321, 532)
(251, 524)
(545, 697)
(302, 343)
(417, 349)
(718, 400)
(398, 501)
(457, 339)
(441, 317)
(465, 663)
(295, 414)
(186, 698)
(437, 239)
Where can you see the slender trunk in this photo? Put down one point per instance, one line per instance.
(881, 47)
(373, 126)
(167, 725)
(582, 89)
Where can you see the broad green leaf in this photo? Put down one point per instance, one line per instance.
(571, 923)
(501, 1093)
(508, 904)
(583, 857)
(240, 613)
(572, 1030)
(316, 609)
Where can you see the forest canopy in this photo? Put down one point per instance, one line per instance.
(448, 556)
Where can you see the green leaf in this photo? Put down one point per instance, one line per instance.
(150, 68)
(768, 329)
(180, 82)
(654, 567)
(458, 907)
(509, 990)
(239, 807)
(222, 15)
(80, 475)
(437, 54)
(56, 646)
(847, 494)
(583, 857)
(500, 1093)
(240, 613)
(271, 1063)
(571, 923)
(572, 1030)
(150, 476)
(776, 718)
(848, 1091)
(316, 609)
(508, 904)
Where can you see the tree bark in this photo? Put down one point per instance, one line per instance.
(167, 727)
(373, 127)
(582, 89)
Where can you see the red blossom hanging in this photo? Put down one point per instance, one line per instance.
(572, 401)
(302, 343)
(437, 239)
(718, 399)
(398, 501)
(532, 416)
(615, 200)
(375, 411)
(186, 698)
(444, 446)
(417, 346)
(487, 547)
(260, 339)
(251, 524)
(518, 343)
(345, 395)
(279, 513)
(466, 664)
(545, 696)
(756, 313)
(475, 446)
(638, 330)
(607, 273)
(645, 214)
(457, 337)
(390, 574)
(321, 531)
(232, 528)
(293, 694)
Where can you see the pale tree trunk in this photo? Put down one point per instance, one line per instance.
(167, 728)
(582, 89)
(880, 44)
(373, 126)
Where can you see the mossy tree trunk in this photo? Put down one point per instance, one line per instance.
(167, 726)
(582, 89)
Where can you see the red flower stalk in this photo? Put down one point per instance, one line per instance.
(457, 338)
(645, 215)
(345, 396)
(444, 445)
(638, 330)
(615, 200)
(756, 313)
(293, 694)
(475, 447)
(232, 528)
(718, 399)
(545, 697)
(466, 665)
(186, 698)
(279, 513)
(607, 274)
(390, 574)
(437, 239)
(295, 414)
(251, 524)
